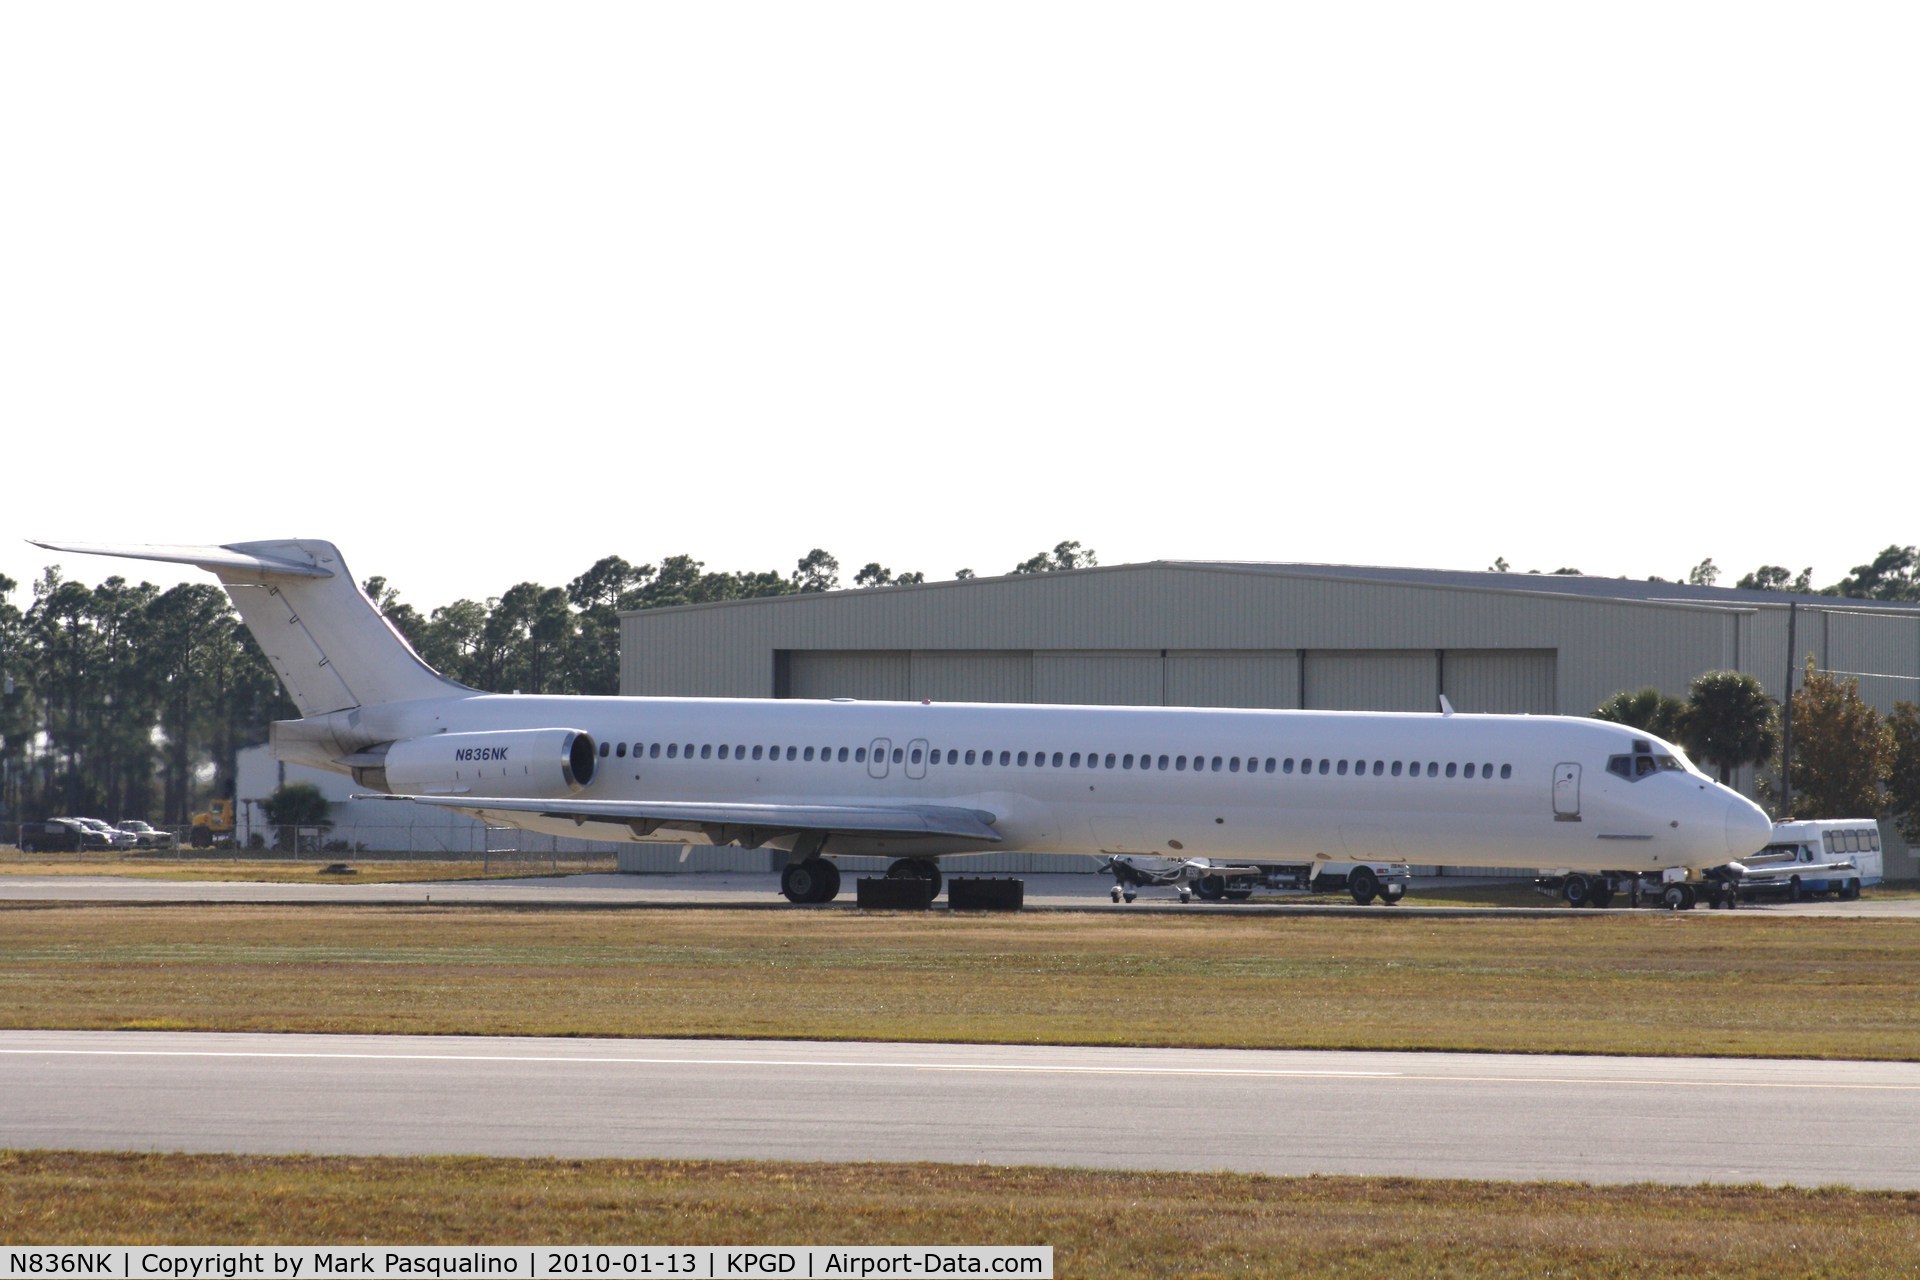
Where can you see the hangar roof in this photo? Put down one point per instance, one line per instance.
(1575, 585)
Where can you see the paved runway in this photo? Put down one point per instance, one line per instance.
(1497, 1116)
(1043, 892)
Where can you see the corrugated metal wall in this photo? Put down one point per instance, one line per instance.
(1371, 680)
(1882, 652)
(970, 676)
(883, 676)
(1500, 681)
(1228, 678)
(1097, 677)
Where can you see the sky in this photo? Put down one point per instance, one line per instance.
(485, 292)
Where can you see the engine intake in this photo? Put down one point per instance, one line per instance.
(517, 764)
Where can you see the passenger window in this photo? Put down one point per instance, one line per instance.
(1396, 768)
(1217, 763)
(1286, 766)
(1306, 765)
(1433, 768)
(1342, 769)
(1452, 768)
(794, 752)
(605, 747)
(1270, 764)
(1110, 759)
(1873, 840)
(1005, 756)
(1233, 764)
(756, 753)
(653, 751)
(1021, 759)
(972, 756)
(916, 755)
(706, 751)
(620, 752)
(1506, 771)
(1379, 767)
(1056, 759)
(859, 754)
(1073, 761)
(1323, 764)
(808, 755)
(1161, 764)
(673, 751)
(1470, 770)
(898, 752)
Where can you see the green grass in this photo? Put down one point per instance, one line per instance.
(1695, 983)
(1103, 1224)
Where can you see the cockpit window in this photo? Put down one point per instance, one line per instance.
(1643, 763)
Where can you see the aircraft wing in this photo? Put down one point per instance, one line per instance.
(1787, 870)
(749, 825)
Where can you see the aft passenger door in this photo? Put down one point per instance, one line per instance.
(1566, 793)
(877, 753)
(917, 758)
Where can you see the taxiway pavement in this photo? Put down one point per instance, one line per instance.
(1495, 1116)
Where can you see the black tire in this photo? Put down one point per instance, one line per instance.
(916, 869)
(1675, 897)
(804, 882)
(1576, 891)
(1363, 885)
(1600, 894)
(202, 838)
(1239, 895)
(1794, 892)
(1211, 888)
(28, 846)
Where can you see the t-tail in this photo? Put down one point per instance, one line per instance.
(330, 646)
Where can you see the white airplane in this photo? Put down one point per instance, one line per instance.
(917, 781)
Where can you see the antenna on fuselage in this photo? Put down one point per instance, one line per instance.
(1446, 708)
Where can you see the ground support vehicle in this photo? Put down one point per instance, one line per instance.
(214, 827)
(1366, 881)
(1813, 857)
(1719, 887)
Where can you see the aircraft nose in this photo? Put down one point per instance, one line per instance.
(1748, 828)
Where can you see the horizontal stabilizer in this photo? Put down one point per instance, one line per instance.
(751, 824)
(224, 560)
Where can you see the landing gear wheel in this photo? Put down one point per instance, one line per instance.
(1577, 890)
(1678, 897)
(1238, 895)
(1116, 893)
(916, 869)
(813, 881)
(1599, 894)
(1211, 888)
(1363, 885)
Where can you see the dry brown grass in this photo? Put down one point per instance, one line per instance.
(365, 870)
(1099, 1223)
(1654, 984)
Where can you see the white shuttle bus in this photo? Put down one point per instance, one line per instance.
(1815, 842)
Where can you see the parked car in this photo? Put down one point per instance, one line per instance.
(146, 837)
(56, 835)
(99, 834)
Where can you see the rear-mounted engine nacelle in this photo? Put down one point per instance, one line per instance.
(519, 764)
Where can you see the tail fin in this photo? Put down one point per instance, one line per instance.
(329, 644)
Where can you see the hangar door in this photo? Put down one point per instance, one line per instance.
(1500, 681)
(1371, 679)
(1233, 678)
(883, 675)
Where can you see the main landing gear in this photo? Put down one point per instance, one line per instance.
(916, 869)
(812, 880)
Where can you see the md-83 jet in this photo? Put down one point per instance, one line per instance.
(921, 781)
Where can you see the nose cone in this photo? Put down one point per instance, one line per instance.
(1748, 828)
